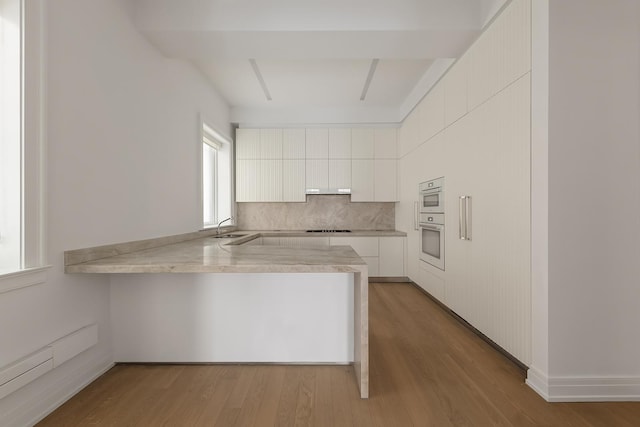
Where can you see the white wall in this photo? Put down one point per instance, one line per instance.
(594, 194)
(123, 144)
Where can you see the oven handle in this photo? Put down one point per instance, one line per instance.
(432, 227)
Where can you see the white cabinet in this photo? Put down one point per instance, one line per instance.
(293, 180)
(304, 242)
(391, 251)
(279, 165)
(363, 245)
(246, 180)
(269, 181)
(488, 277)
(431, 114)
(247, 144)
(455, 92)
(374, 180)
(386, 143)
(261, 173)
(270, 144)
(385, 180)
(339, 172)
(374, 165)
(362, 180)
(293, 144)
(317, 144)
(384, 255)
(340, 143)
(362, 143)
(317, 173)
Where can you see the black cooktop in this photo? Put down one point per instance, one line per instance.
(328, 231)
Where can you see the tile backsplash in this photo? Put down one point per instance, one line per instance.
(319, 212)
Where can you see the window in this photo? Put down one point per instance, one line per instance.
(10, 138)
(21, 142)
(216, 177)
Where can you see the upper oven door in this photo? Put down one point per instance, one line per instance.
(432, 201)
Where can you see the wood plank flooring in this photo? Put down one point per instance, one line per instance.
(426, 370)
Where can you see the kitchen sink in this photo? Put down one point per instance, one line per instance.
(228, 236)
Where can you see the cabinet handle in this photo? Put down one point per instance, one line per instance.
(416, 208)
(464, 210)
(461, 219)
(467, 217)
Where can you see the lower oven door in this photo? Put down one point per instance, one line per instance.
(432, 244)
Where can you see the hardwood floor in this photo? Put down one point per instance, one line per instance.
(426, 370)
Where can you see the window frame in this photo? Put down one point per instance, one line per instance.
(33, 263)
(208, 131)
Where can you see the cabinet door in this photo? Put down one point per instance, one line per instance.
(304, 242)
(385, 180)
(386, 142)
(269, 181)
(270, 144)
(362, 143)
(293, 181)
(317, 144)
(455, 91)
(317, 173)
(362, 180)
(293, 143)
(372, 265)
(246, 180)
(339, 173)
(391, 250)
(339, 143)
(247, 143)
(363, 245)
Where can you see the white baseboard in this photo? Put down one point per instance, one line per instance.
(584, 389)
(35, 406)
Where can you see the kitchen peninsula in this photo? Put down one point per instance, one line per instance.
(235, 302)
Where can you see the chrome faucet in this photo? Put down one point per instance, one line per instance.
(220, 223)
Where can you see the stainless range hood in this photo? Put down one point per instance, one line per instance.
(328, 191)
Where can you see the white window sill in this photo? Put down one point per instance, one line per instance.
(23, 278)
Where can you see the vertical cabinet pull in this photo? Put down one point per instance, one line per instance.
(416, 215)
(464, 206)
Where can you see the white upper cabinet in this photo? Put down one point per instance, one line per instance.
(269, 181)
(339, 143)
(386, 143)
(270, 144)
(248, 143)
(339, 173)
(317, 173)
(317, 143)
(362, 143)
(293, 180)
(293, 144)
(501, 55)
(431, 114)
(385, 180)
(362, 180)
(455, 92)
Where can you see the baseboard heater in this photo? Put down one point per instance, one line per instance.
(27, 369)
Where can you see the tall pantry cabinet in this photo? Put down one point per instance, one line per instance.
(486, 128)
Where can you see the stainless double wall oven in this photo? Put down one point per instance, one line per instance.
(431, 222)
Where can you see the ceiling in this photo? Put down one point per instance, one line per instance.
(311, 61)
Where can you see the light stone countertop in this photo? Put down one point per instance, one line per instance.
(213, 255)
(194, 253)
